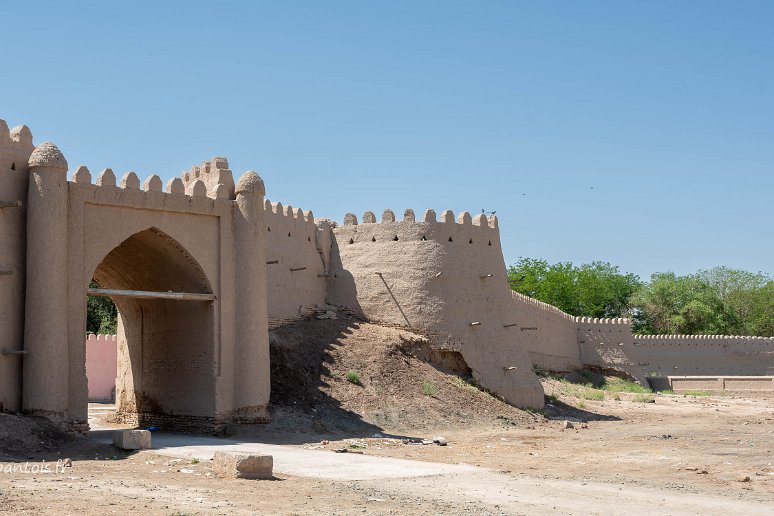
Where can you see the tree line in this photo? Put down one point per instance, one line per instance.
(717, 301)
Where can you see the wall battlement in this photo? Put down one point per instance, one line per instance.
(149, 194)
(544, 306)
(296, 257)
(444, 278)
(216, 176)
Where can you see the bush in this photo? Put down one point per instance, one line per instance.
(428, 389)
(644, 398)
(353, 377)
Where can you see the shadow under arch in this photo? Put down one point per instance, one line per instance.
(166, 348)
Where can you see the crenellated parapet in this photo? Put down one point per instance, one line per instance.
(148, 194)
(464, 229)
(443, 276)
(735, 341)
(217, 178)
(287, 216)
(297, 252)
(543, 306)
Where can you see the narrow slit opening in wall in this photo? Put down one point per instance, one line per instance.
(269, 229)
(373, 239)
(13, 166)
(288, 233)
(470, 241)
(490, 242)
(450, 239)
(308, 239)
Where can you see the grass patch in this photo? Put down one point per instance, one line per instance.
(584, 392)
(644, 398)
(616, 397)
(465, 385)
(581, 404)
(696, 393)
(592, 394)
(615, 384)
(194, 461)
(667, 391)
(353, 377)
(552, 398)
(428, 389)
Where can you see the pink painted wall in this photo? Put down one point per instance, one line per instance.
(101, 365)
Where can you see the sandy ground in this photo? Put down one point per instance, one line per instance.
(680, 455)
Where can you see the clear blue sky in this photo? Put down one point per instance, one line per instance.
(665, 108)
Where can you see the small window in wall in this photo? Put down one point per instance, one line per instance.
(13, 166)
(308, 239)
(395, 239)
(288, 233)
(351, 240)
(424, 239)
(490, 242)
(373, 239)
(450, 239)
(470, 241)
(269, 229)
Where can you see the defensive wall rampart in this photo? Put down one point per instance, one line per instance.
(715, 355)
(557, 341)
(15, 149)
(444, 278)
(548, 334)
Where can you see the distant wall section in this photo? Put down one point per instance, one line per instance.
(670, 355)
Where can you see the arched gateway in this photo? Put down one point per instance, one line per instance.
(175, 263)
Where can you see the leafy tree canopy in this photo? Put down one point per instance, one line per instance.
(101, 314)
(596, 289)
(720, 300)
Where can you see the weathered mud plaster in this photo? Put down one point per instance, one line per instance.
(181, 363)
(446, 279)
(714, 355)
(245, 264)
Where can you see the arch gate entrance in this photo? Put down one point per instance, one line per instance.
(186, 269)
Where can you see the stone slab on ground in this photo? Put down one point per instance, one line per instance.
(132, 439)
(240, 465)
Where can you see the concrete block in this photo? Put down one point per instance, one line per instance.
(235, 465)
(132, 439)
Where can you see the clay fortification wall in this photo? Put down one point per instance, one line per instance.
(445, 279)
(296, 251)
(15, 149)
(558, 341)
(608, 344)
(671, 355)
(548, 334)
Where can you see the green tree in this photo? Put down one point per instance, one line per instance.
(101, 314)
(721, 301)
(596, 289)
